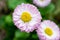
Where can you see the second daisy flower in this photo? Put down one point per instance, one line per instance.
(48, 30)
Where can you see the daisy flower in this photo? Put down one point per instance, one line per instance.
(48, 30)
(26, 17)
(42, 3)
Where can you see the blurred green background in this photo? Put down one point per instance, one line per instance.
(8, 31)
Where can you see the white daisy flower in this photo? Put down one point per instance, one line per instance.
(26, 17)
(48, 30)
(42, 3)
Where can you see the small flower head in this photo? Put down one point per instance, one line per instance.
(42, 3)
(26, 17)
(48, 30)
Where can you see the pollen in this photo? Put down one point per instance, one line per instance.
(26, 17)
(49, 31)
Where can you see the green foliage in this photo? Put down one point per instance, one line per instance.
(7, 24)
(2, 22)
(50, 8)
(35, 37)
(8, 19)
(13, 3)
(21, 35)
(47, 11)
(30, 1)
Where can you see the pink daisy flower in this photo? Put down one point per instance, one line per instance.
(42, 3)
(26, 17)
(48, 30)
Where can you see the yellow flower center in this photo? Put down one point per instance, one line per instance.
(48, 31)
(26, 17)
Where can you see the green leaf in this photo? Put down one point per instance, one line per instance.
(23, 35)
(34, 36)
(30, 1)
(45, 12)
(8, 19)
(13, 3)
(50, 8)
